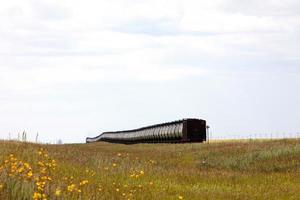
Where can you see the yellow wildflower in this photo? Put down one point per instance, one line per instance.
(26, 165)
(20, 170)
(114, 164)
(57, 192)
(37, 195)
(180, 197)
(84, 182)
(71, 187)
(29, 174)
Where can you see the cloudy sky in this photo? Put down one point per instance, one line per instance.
(71, 68)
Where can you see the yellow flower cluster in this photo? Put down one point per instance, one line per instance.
(16, 168)
(40, 176)
(84, 182)
(71, 187)
(76, 188)
(137, 174)
(47, 185)
(46, 165)
(37, 195)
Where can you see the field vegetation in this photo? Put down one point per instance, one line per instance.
(249, 169)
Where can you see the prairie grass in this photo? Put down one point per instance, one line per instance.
(242, 169)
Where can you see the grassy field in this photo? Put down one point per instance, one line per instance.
(250, 169)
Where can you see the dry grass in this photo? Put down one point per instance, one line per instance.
(246, 169)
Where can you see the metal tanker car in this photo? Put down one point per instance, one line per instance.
(185, 130)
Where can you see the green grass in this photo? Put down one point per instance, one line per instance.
(242, 169)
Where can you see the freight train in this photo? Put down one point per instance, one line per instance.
(180, 131)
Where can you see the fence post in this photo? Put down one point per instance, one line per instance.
(207, 133)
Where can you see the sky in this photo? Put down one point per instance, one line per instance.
(71, 69)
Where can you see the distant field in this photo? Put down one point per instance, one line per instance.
(245, 169)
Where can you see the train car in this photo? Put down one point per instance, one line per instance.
(185, 130)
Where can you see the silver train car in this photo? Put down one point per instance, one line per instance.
(185, 130)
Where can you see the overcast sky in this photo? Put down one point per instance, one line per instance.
(72, 68)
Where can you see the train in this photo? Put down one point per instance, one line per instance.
(180, 131)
